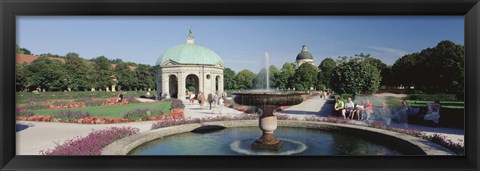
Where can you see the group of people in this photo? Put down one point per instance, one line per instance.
(350, 110)
(214, 99)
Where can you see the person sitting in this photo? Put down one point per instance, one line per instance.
(433, 113)
(349, 107)
(402, 114)
(339, 107)
(358, 111)
(368, 108)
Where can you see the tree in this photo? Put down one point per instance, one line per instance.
(145, 76)
(22, 77)
(52, 55)
(244, 79)
(326, 68)
(286, 73)
(306, 76)
(78, 71)
(126, 78)
(439, 69)
(229, 79)
(21, 50)
(274, 74)
(355, 76)
(47, 74)
(103, 74)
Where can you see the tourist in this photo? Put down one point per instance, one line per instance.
(220, 105)
(120, 98)
(339, 107)
(358, 110)
(210, 100)
(192, 98)
(201, 100)
(368, 108)
(433, 113)
(215, 99)
(385, 113)
(159, 96)
(349, 107)
(224, 96)
(402, 114)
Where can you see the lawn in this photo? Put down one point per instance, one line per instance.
(113, 111)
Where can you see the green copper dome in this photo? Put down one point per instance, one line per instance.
(190, 53)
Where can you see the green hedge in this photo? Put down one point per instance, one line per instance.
(433, 97)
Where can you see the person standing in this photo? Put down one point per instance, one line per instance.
(201, 100)
(192, 98)
(210, 100)
(220, 105)
(215, 99)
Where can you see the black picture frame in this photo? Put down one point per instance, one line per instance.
(9, 9)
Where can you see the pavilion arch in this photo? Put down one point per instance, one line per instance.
(173, 86)
(192, 81)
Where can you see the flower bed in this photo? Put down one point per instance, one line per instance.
(176, 113)
(70, 115)
(19, 111)
(173, 122)
(92, 144)
(64, 106)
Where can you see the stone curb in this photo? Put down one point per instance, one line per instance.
(125, 145)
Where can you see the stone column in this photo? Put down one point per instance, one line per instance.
(181, 86)
(220, 84)
(165, 84)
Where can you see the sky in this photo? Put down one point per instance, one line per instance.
(241, 41)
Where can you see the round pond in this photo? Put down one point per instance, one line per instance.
(297, 141)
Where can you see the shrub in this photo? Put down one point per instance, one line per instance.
(93, 143)
(177, 103)
(433, 97)
(142, 113)
(70, 114)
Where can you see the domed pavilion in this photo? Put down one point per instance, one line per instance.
(201, 67)
(304, 57)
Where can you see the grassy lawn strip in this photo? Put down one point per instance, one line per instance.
(114, 111)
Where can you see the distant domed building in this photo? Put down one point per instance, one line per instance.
(304, 57)
(189, 61)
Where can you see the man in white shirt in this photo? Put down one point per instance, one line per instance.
(349, 107)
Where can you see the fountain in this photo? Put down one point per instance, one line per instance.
(267, 102)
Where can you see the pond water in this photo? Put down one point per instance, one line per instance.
(236, 141)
